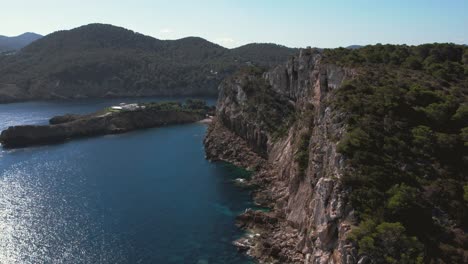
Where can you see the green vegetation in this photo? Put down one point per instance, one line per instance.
(98, 59)
(443, 61)
(303, 146)
(272, 112)
(407, 146)
(196, 104)
(302, 155)
(192, 105)
(387, 243)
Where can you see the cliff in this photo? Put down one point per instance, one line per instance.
(360, 154)
(104, 122)
(295, 159)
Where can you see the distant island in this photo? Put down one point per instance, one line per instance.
(113, 120)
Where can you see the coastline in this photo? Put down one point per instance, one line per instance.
(259, 225)
(113, 120)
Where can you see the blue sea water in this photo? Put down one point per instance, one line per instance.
(143, 197)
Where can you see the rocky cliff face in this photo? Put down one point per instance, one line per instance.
(279, 124)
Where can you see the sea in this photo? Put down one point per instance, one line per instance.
(147, 196)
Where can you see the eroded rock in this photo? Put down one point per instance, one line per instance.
(310, 209)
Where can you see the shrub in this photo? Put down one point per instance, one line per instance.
(355, 139)
(195, 104)
(302, 155)
(402, 198)
(414, 63)
(405, 146)
(461, 115)
(423, 137)
(387, 243)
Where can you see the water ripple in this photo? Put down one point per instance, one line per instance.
(34, 231)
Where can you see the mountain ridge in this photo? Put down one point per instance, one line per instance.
(17, 42)
(102, 60)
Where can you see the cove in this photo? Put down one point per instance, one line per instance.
(142, 197)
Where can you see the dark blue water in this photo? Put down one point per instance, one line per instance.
(142, 197)
(41, 112)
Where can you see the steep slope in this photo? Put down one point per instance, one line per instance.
(18, 42)
(100, 60)
(296, 162)
(361, 160)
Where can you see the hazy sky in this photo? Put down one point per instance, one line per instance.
(295, 23)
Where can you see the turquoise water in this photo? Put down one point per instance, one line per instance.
(142, 197)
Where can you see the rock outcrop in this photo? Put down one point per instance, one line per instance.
(296, 164)
(73, 126)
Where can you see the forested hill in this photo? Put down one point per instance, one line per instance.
(407, 147)
(370, 148)
(99, 60)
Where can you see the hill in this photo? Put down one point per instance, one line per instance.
(18, 42)
(354, 47)
(99, 60)
(370, 151)
(264, 53)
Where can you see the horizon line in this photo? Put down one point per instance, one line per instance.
(214, 42)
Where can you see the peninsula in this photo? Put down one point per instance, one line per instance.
(113, 120)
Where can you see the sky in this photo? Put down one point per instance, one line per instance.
(294, 23)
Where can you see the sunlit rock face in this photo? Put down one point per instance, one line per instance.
(312, 213)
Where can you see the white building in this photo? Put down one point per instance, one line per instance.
(127, 107)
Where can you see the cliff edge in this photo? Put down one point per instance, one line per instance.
(279, 124)
(360, 154)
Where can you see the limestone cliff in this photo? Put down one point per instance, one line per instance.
(279, 124)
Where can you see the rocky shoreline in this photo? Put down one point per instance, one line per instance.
(221, 144)
(295, 163)
(108, 121)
